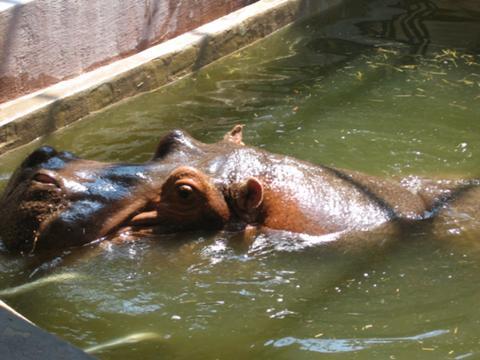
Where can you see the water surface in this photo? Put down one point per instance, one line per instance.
(390, 88)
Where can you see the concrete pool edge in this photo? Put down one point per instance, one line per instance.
(36, 115)
(21, 339)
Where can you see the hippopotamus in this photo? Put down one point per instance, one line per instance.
(57, 200)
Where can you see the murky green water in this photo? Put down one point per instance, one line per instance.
(390, 88)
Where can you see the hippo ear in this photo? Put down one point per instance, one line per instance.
(235, 135)
(251, 194)
(167, 144)
(39, 156)
(180, 143)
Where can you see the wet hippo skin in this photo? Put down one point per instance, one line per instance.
(280, 192)
(56, 200)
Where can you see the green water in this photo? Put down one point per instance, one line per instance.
(390, 88)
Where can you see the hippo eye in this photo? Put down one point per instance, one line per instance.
(184, 191)
(45, 179)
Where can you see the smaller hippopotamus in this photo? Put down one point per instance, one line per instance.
(250, 186)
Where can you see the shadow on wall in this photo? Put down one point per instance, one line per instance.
(149, 23)
(148, 28)
(7, 42)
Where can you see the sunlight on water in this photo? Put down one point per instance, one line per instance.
(387, 87)
(347, 345)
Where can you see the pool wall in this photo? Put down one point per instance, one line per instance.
(43, 42)
(22, 340)
(44, 111)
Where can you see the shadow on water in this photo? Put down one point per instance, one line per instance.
(417, 27)
(421, 24)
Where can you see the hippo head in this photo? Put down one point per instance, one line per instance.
(56, 200)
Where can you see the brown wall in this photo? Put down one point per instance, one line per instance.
(43, 42)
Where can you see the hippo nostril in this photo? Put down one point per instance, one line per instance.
(39, 156)
(45, 179)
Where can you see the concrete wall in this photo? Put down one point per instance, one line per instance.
(43, 41)
(44, 111)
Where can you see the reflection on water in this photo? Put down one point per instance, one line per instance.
(347, 345)
(390, 88)
(32, 286)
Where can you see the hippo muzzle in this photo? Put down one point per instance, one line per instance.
(55, 199)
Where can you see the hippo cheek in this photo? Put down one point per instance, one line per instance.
(77, 225)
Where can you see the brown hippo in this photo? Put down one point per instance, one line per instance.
(278, 192)
(56, 200)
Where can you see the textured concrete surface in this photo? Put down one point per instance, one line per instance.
(21, 340)
(38, 114)
(43, 41)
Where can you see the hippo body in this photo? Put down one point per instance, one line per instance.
(290, 194)
(301, 197)
(56, 200)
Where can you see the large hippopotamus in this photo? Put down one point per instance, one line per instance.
(57, 200)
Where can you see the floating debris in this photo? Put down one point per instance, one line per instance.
(409, 67)
(383, 50)
(461, 107)
(466, 82)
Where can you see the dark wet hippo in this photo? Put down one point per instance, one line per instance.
(249, 186)
(56, 200)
